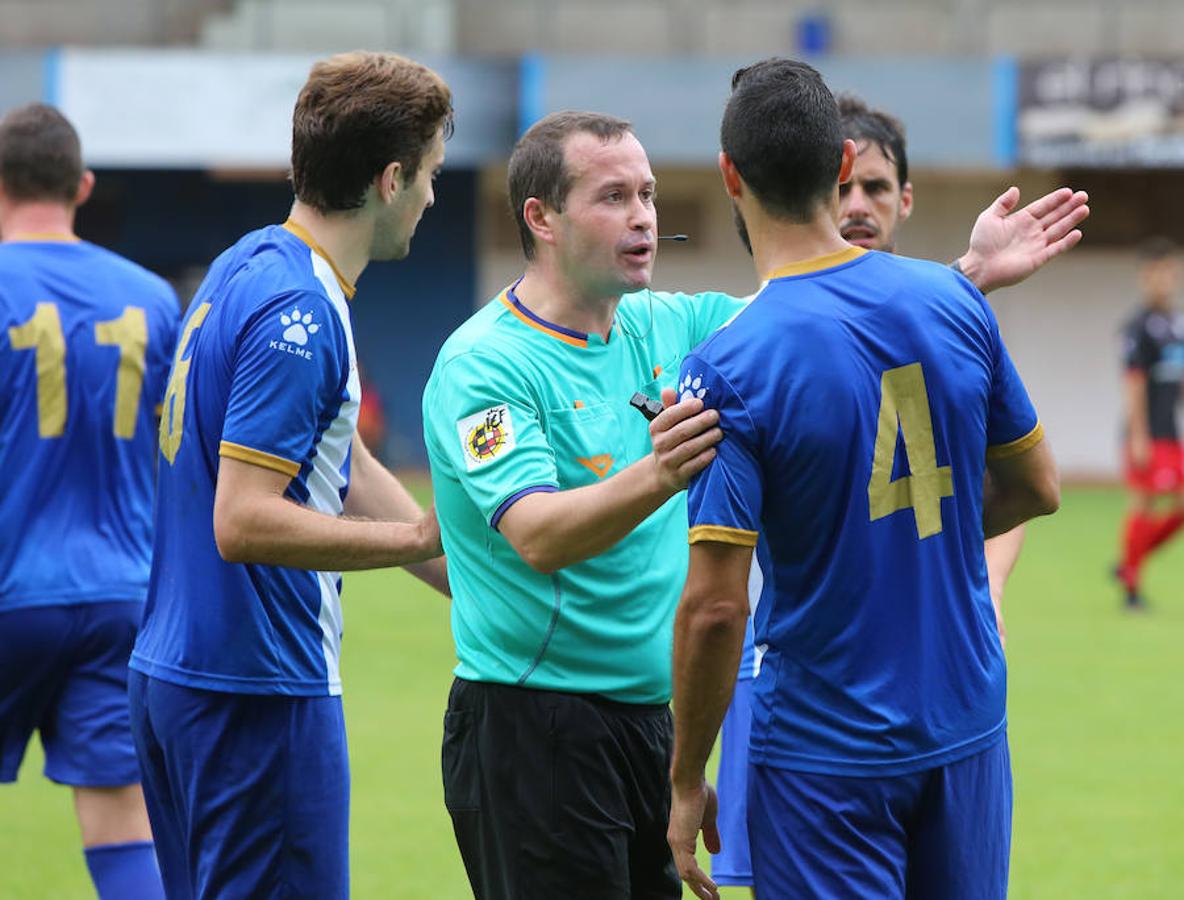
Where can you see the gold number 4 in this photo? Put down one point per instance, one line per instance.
(43, 334)
(172, 415)
(904, 407)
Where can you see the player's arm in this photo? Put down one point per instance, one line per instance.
(557, 529)
(708, 641)
(1006, 245)
(375, 493)
(255, 523)
(1018, 487)
(1002, 552)
(1134, 394)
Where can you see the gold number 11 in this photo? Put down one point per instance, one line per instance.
(43, 334)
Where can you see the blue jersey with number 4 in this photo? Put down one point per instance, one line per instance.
(85, 342)
(264, 373)
(860, 395)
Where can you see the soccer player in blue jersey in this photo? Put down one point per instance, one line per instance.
(873, 204)
(85, 342)
(875, 431)
(267, 494)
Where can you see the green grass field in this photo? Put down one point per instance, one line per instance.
(1097, 734)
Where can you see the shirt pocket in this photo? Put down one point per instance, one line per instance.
(637, 439)
(665, 375)
(587, 442)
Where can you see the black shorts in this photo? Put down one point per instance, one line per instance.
(557, 795)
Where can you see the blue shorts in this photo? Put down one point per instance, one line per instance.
(930, 835)
(248, 795)
(63, 673)
(732, 866)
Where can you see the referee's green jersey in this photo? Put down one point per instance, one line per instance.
(516, 404)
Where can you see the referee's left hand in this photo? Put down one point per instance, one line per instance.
(691, 811)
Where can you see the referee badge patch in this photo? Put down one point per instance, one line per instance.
(486, 435)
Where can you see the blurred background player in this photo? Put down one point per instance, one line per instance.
(85, 342)
(879, 763)
(1154, 357)
(1005, 247)
(267, 493)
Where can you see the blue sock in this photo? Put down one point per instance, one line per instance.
(125, 871)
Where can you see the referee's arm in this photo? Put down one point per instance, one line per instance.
(553, 530)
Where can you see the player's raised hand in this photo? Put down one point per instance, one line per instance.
(684, 436)
(691, 812)
(1008, 245)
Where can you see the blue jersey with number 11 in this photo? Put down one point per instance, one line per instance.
(860, 395)
(85, 342)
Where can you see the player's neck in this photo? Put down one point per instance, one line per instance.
(344, 238)
(548, 293)
(778, 244)
(31, 220)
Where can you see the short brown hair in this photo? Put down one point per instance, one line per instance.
(40, 155)
(537, 166)
(357, 113)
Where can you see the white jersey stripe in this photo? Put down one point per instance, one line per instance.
(328, 477)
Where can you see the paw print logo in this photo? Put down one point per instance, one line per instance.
(298, 327)
(691, 387)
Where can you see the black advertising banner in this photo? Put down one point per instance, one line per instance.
(1106, 113)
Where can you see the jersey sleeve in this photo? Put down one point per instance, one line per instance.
(1012, 423)
(724, 500)
(291, 366)
(482, 425)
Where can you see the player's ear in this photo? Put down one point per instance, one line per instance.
(731, 175)
(86, 184)
(906, 201)
(389, 182)
(539, 219)
(847, 165)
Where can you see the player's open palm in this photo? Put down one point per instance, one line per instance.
(1007, 245)
(691, 812)
(684, 436)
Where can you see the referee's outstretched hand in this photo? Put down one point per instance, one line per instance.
(684, 436)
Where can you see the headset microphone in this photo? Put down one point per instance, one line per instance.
(673, 237)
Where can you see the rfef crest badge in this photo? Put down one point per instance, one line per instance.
(486, 435)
